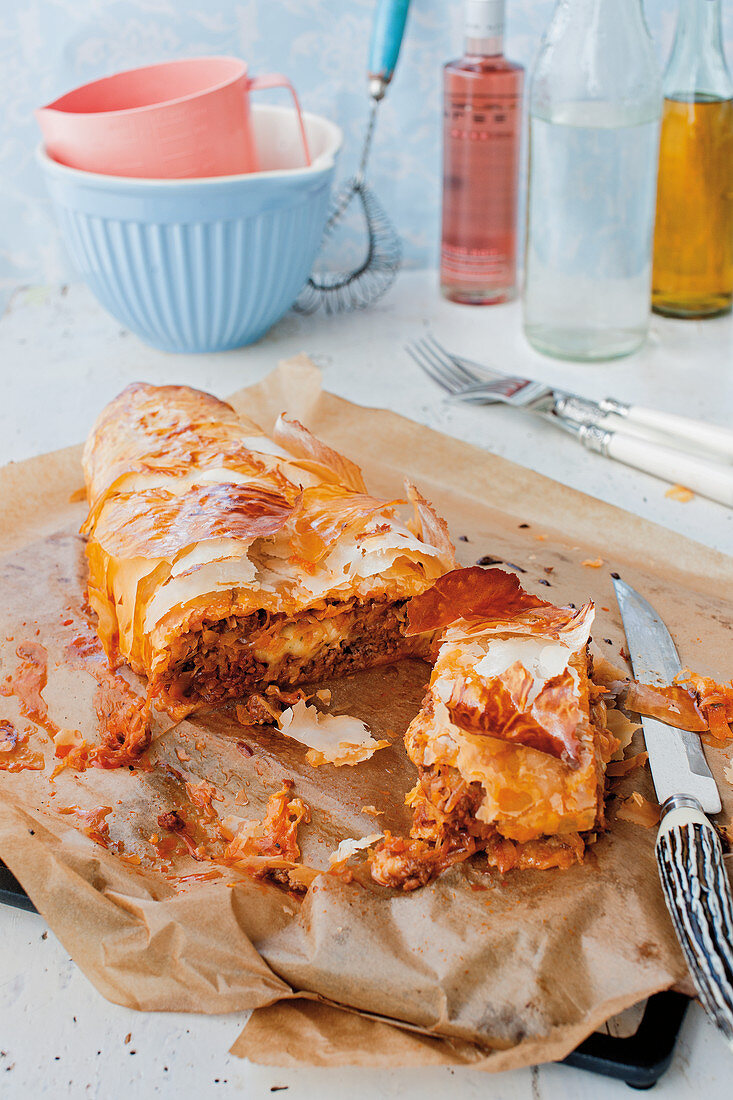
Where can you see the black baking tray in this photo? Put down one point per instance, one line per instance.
(12, 893)
(639, 1059)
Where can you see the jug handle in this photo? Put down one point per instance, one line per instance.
(277, 80)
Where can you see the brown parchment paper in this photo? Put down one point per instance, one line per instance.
(476, 968)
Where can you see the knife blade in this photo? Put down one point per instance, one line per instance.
(688, 850)
(676, 757)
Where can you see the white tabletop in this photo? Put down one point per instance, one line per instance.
(61, 359)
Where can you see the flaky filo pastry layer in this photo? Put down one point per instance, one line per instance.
(221, 558)
(510, 744)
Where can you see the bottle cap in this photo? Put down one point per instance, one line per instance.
(484, 25)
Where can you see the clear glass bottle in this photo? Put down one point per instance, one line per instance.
(693, 238)
(595, 105)
(481, 143)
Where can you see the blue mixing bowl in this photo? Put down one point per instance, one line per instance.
(202, 264)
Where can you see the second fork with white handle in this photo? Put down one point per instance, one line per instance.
(667, 446)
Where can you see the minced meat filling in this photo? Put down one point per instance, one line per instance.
(233, 657)
(445, 831)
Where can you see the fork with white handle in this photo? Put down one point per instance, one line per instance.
(667, 446)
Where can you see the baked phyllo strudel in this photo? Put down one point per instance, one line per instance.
(509, 744)
(222, 560)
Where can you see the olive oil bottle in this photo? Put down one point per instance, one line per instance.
(693, 239)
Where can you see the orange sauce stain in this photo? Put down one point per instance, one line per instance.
(680, 493)
(15, 756)
(85, 645)
(27, 683)
(166, 846)
(92, 822)
(201, 876)
(202, 795)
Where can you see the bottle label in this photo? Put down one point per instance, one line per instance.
(476, 267)
(480, 160)
(484, 19)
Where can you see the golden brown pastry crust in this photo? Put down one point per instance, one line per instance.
(222, 560)
(509, 744)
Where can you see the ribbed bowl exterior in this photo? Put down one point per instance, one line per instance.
(195, 266)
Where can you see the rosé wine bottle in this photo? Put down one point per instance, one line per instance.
(481, 142)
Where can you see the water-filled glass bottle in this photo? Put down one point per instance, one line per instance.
(693, 238)
(595, 106)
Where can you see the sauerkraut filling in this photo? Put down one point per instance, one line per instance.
(446, 830)
(448, 825)
(217, 661)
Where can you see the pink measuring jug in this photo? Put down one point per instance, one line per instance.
(176, 120)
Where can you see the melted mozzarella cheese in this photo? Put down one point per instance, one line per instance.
(299, 639)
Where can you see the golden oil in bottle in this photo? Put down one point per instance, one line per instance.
(693, 239)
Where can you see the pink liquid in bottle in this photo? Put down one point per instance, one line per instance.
(481, 144)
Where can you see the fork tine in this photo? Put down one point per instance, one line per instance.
(477, 372)
(415, 352)
(484, 381)
(426, 364)
(445, 367)
(468, 377)
(461, 384)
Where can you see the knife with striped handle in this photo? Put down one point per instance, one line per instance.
(689, 854)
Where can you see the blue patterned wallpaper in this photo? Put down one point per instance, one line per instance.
(49, 46)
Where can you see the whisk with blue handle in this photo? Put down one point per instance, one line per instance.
(356, 289)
